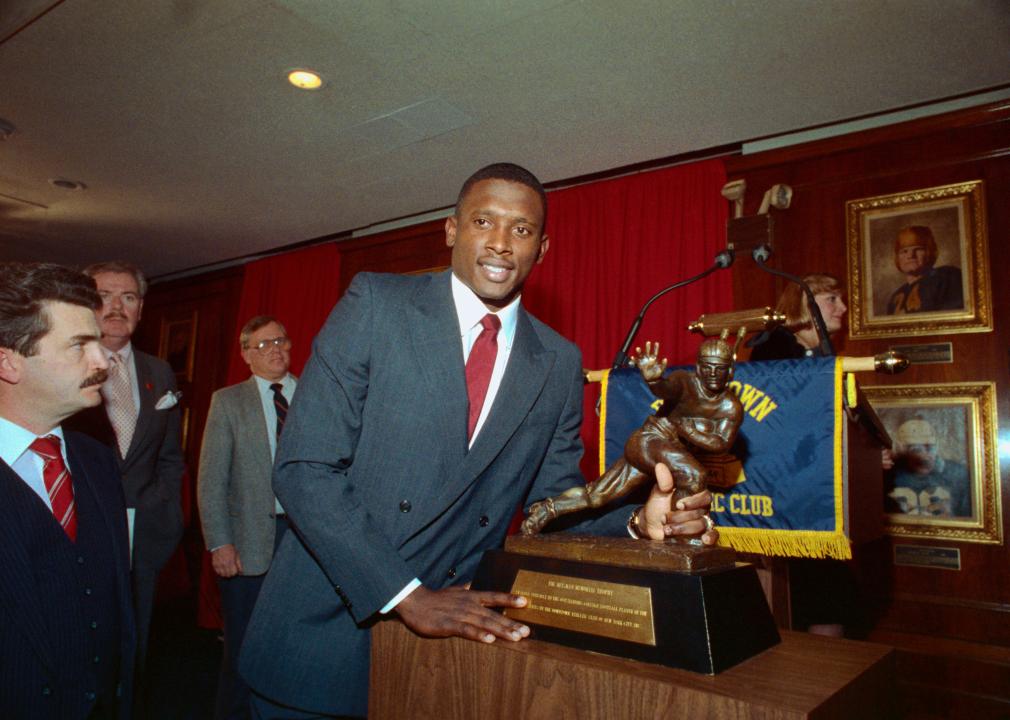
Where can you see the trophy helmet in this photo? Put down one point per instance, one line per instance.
(716, 348)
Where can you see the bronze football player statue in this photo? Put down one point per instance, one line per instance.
(699, 412)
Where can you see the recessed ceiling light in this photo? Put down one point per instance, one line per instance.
(64, 184)
(305, 80)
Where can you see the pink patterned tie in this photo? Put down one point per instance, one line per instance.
(479, 366)
(119, 401)
(58, 482)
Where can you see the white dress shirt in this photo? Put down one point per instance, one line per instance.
(14, 442)
(270, 413)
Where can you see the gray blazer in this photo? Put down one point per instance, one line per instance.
(233, 489)
(375, 475)
(153, 467)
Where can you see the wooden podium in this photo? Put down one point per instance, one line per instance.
(806, 676)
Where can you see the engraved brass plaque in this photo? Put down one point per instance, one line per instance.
(613, 610)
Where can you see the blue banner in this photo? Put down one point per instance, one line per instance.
(781, 492)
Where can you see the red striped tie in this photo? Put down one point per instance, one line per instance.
(58, 482)
(479, 366)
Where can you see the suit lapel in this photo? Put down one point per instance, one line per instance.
(145, 385)
(439, 352)
(528, 367)
(17, 581)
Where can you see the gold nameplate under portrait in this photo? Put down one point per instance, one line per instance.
(613, 610)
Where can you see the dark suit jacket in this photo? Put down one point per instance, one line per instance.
(374, 472)
(36, 681)
(153, 467)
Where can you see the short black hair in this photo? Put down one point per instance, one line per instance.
(25, 288)
(505, 171)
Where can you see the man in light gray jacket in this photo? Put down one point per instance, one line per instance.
(242, 520)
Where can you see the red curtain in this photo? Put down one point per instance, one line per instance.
(614, 244)
(299, 288)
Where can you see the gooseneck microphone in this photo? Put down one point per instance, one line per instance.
(761, 254)
(722, 260)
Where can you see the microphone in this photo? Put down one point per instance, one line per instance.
(722, 260)
(761, 254)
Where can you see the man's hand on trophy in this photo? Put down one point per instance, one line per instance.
(648, 363)
(461, 612)
(660, 519)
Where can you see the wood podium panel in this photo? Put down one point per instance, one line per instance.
(806, 676)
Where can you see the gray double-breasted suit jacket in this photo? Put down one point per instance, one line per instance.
(374, 472)
(233, 489)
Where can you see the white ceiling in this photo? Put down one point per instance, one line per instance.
(176, 115)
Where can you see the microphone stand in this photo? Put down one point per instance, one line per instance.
(761, 254)
(722, 260)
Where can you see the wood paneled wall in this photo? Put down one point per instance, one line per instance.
(214, 298)
(924, 606)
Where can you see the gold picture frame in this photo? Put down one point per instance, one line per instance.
(177, 345)
(952, 491)
(948, 292)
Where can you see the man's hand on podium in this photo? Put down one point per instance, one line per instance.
(461, 612)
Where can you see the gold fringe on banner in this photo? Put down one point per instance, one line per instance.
(603, 422)
(787, 543)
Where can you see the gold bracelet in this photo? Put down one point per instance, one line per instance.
(633, 528)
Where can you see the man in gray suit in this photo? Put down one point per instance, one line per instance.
(139, 419)
(242, 520)
(432, 407)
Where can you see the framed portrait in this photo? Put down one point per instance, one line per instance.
(918, 263)
(177, 345)
(944, 484)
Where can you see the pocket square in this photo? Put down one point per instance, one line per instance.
(169, 400)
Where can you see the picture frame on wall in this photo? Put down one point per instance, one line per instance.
(944, 483)
(177, 345)
(918, 262)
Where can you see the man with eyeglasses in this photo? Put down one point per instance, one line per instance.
(139, 419)
(242, 520)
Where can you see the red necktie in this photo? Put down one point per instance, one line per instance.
(479, 366)
(58, 483)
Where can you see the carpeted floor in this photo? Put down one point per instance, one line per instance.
(183, 665)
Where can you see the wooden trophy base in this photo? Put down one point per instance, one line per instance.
(685, 607)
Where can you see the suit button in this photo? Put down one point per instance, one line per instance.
(80, 560)
(87, 591)
(94, 625)
(405, 506)
(89, 696)
(484, 521)
(452, 572)
(47, 691)
(95, 660)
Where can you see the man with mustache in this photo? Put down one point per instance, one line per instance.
(144, 433)
(68, 635)
(432, 407)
